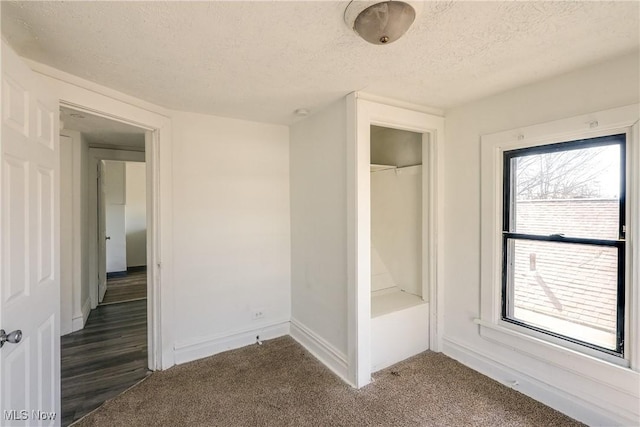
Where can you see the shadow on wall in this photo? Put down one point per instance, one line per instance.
(136, 248)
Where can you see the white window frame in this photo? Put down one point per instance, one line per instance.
(572, 357)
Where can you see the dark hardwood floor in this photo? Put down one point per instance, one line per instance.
(129, 287)
(104, 359)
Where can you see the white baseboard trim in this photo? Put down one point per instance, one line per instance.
(77, 323)
(328, 355)
(555, 398)
(189, 351)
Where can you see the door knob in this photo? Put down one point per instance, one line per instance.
(107, 237)
(13, 337)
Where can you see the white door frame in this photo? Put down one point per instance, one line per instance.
(362, 113)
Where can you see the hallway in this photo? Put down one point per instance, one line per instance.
(106, 357)
(124, 288)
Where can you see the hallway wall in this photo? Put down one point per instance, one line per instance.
(136, 214)
(74, 287)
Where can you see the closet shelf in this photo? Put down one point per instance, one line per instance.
(392, 300)
(377, 168)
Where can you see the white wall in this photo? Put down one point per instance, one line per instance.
(75, 272)
(74, 288)
(114, 177)
(136, 214)
(318, 228)
(607, 85)
(231, 233)
(396, 225)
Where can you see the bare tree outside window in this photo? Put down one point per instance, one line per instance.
(573, 174)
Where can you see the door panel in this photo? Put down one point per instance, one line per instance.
(15, 105)
(46, 366)
(45, 126)
(15, 248)
(29, 242)
(44, 210)
(114, 197)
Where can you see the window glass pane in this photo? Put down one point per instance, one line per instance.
(569, 289)
(572, 192)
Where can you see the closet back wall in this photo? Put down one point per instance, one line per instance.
(396, 206)
(396, 224)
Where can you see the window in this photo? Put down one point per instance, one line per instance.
(563, 241)
(559, 226)
(559, 208)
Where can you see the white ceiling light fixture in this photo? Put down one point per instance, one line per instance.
(379, 22)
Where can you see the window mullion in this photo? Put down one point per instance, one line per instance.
(563, 239)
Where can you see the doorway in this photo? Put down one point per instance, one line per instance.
(122, 219)
(106, 349)
(399, 293)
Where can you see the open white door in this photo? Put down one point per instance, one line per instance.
(29, 248)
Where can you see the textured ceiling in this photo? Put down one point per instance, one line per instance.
(262, 60)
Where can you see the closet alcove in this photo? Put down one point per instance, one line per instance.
(399, 312)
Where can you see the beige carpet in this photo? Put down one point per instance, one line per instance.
(280, 384)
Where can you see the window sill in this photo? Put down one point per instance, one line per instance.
(615, 375)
